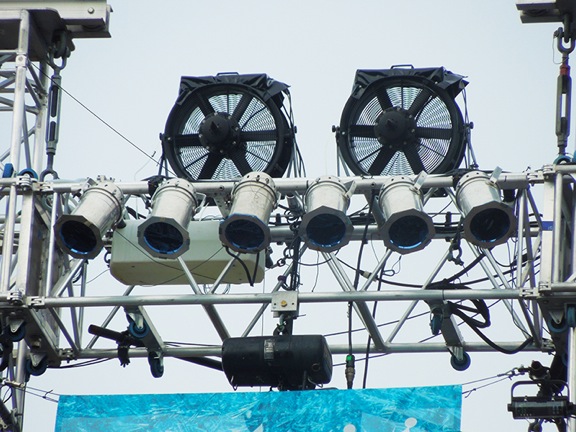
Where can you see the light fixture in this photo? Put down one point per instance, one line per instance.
(289, 362)
(325, 226)
(407, 228)
(80, 233)
(164, 234)
(488, 222)
(246, 228)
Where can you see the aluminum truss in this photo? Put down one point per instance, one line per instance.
(36, 41)
(46, 299)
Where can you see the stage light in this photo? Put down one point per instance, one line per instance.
(164, 234)
(80, 233)
(407, 228)
(488, 222)
(325, 226)
(246, 228)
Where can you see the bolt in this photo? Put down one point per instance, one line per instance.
(283, 303)
(91, 10)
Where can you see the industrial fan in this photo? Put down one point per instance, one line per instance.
(223, 127)
(402, 121)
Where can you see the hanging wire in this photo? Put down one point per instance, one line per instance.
(104, 122)
(495, 379)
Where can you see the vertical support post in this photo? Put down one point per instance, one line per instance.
(557, 248)
(18, 114)
(572, 374)
(19, 394)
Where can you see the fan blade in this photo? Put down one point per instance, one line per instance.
(382, 159)
(241, 107)
(420, 101)
(210, 166)
(384, 100)
(362, 131)
(204, 104)
(434, 133)
(190, 140)
(239, 159)
(263, 135)
(413, 158)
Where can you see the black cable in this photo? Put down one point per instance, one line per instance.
(84, 364)
(256, 267)
(242, 263)
(367, 354)
(350, 359)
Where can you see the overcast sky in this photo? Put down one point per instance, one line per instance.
(131, 81)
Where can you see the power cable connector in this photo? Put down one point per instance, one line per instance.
(350, 371)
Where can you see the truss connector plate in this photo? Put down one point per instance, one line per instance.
(15, 298)
(36, 302)
(531, 293)
(284, 302)
(548, 172)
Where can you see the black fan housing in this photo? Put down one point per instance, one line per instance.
(402, 121)
(225, 126)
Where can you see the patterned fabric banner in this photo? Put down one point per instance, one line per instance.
(417, 409)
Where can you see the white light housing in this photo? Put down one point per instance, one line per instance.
(407, 228)
(164, 234)
(80, 233)
(246, 228)
(325, 226)
(488, 222)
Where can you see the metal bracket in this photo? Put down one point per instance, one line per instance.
(15, 298)
(150, 338)
(36, 302)
(545, 286)
(548, 172)
(284, 302)
(530, 293)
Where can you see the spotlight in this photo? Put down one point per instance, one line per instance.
(407, 228)
(488, 222)
(80, 233)
(325, 226)
(165, 233)
(246, 228)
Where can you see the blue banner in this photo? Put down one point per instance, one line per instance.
(418, 409)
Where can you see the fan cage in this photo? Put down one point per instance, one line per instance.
(260, 139)
(438, 145)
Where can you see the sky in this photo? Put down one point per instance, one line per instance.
(131, 81)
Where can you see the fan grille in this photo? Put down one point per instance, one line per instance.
(428, 137)
(224, 131)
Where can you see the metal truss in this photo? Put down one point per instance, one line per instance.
(36, 41)
(51, 313)
(67, 295)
